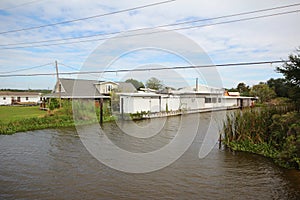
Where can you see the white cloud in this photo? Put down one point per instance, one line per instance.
(270, 38)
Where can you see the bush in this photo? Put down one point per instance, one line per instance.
(270, 131)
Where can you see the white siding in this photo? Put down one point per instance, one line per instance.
(228, 102)
(23, 98)
(6, 101)
(134, 104)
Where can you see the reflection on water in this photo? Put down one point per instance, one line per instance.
(53, 164)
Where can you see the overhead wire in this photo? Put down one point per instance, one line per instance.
(25, 69)
(148, 69)
(147, 28)
(20, 5)
(157, 31)
(86, 18)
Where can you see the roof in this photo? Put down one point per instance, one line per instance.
(126, 87)
(9, 93)
(141, 94)
(77, 88)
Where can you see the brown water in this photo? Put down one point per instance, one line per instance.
(54, 164)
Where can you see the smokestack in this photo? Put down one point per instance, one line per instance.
(197, 85)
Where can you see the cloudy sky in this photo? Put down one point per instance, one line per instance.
(209, 42)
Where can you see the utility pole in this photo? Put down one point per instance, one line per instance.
(58, 84)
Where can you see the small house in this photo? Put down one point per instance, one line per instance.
(19, 98)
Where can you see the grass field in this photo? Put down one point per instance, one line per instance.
(12, 113)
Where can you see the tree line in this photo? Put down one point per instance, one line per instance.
(280, 89)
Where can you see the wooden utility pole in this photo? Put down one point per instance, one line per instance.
(58, 84)
(101, 111)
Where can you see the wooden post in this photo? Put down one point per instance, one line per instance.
(58, 84)
(101, 111)
(122, 108)
(220, 141)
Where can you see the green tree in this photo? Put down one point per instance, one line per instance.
(291, 73)
(137, 84)
(243, 89)
(263, 92)
(279, 86)
(154, 83)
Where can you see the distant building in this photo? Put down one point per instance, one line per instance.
(19, 98)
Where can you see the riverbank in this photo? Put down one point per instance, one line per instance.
(273, 132)
(20, 119)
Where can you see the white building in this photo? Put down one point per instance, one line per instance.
(11, 98)
(183, 100)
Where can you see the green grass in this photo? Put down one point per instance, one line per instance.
(19, 119)
(13, 113)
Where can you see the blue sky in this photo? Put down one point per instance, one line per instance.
(264, 39)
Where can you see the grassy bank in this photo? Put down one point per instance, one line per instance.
(19, 119)
(12, 113)
(273, 132)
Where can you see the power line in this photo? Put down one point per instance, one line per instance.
(68, 66)
(87, 18)
(157, 31)
(160, 26)
(25, 69)
(147, 69)
(20, 5)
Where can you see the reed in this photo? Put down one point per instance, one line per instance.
(269, 131)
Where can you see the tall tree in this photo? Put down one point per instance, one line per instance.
(291, 73)
(291, 69)
(279, 86)
(137, 84)
(243, 89)
(154, 83)
(263, 92)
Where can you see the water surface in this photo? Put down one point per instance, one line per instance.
(54, 164)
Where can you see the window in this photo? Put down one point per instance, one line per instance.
(27, 98)
(219, 100)
(109, 88)
(214, 100)
(207, 100)
(4, 98)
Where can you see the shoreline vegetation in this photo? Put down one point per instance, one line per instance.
(31, 118)
(270, 131)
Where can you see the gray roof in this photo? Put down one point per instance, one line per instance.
(77, 88)
(126, 87)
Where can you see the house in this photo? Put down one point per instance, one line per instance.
(19, 98)
(87, 89)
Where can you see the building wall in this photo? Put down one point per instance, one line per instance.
(106, 88)
(175, 103)
(191, 102)
(172, 102)
(5, 100)
(139, 104)
(230, 102)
